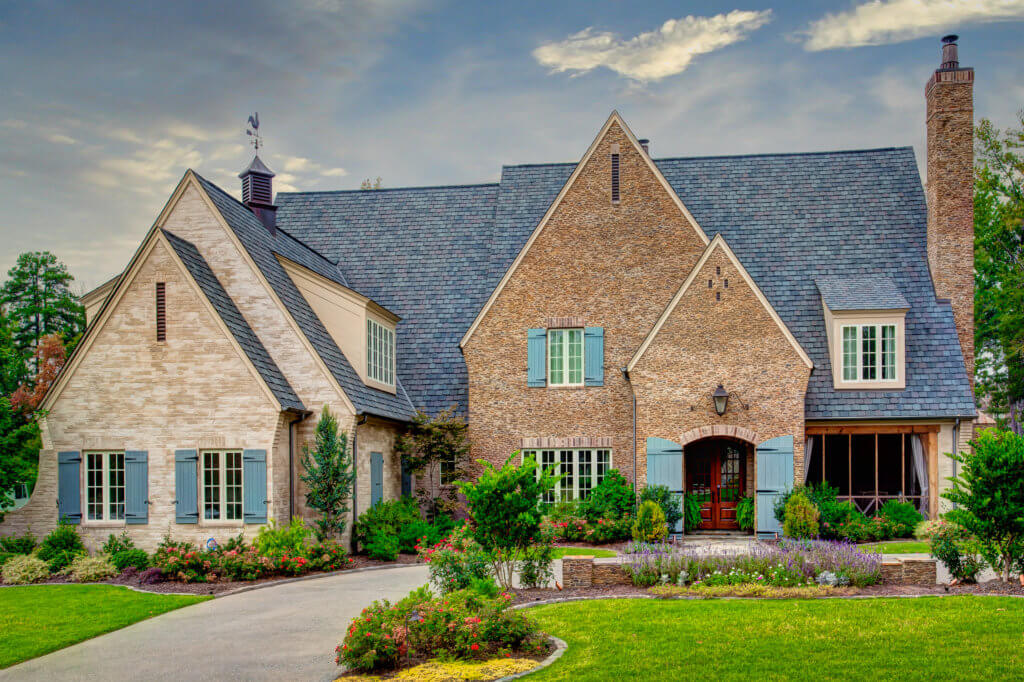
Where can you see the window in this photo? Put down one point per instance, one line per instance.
(222, 485)
(581, 471)
(869, 352)
(615, 178)
(161, 312)
(104, 486)
(565, 357)
(448, 469)
(380, 352)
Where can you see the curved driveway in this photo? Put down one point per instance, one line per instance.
(286, 632)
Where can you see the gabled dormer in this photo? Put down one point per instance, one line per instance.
(865, 322)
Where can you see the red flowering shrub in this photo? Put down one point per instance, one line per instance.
(455, 562)
(328, 556)
(293, 565)
(245, 564)
(182, 561)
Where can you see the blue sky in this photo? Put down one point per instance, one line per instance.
(105, 104)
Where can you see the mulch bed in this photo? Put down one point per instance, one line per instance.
(220, 586)
(526, 596)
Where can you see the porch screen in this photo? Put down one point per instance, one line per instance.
(869, 469)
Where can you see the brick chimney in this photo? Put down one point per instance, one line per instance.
(258, 193)
(949, 95)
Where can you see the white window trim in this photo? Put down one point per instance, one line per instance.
(222, 469)
(105, 517)
(387, 334)
(565, 357)
(557, 492)
(835, 322)
(879, 357)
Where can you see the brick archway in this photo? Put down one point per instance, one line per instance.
(719, 430)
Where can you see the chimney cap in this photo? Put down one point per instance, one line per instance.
(950, 39)
(257, 167)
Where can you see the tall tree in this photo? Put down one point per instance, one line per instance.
(999, 271)
(435, 450)
(12, 361)
(39, 301)
(19, 453)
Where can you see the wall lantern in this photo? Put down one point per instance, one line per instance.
(721, 398)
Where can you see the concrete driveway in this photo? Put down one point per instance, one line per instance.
(286, 632)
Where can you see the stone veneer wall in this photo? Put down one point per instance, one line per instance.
(730, 340)
(606, 265)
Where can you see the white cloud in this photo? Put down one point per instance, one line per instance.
(334, 172)
(656, 54)
(297, 164)
(59, 138)
(893, 21)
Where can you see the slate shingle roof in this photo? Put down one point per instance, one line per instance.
(434, 254)
(262, 246)
(865, 292)
(235, 322)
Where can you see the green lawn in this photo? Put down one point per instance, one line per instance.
(860, 639)
(896, 548)
(36, 620)
(583, 551)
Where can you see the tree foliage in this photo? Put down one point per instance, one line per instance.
(50, 357)
(999, 271)
(19, 453)
(506, 510)
(328, 475)
(990, 493)
(435, 450)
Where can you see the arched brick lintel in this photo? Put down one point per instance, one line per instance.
(720, 430)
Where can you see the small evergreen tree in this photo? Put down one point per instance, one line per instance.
(328, 476)
(801, 519)
(990, 492)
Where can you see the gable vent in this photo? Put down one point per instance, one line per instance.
(615, 178)
(161, 312)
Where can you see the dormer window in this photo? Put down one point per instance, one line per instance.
(380, 352)
(864, 320)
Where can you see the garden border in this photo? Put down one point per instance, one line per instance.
(560, 648)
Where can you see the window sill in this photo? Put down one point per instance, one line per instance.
(103, 524)
(870, 386)
(212, 523)
(567, 387)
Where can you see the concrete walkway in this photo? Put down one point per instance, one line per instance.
(286, 632)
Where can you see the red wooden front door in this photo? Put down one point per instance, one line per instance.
(715, 476)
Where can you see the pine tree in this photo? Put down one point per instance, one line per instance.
(328, 476)
(19, 453)
(39, 301)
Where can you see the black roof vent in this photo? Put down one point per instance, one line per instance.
(258, 192)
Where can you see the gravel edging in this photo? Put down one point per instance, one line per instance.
(560, 647)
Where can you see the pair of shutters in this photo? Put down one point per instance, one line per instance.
(254, 486)
(136, 487)
(774, 475)
(593, 357)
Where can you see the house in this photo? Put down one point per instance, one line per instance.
(726, 326)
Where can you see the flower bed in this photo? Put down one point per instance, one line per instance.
(462, 625)
(790, 563)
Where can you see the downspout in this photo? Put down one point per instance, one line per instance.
(360, 420)
(625, 375)
(956, 448)
(301, 416)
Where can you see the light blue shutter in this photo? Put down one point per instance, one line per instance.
(376, 478)
(254, 486)
(774, 479)
(186, 483)
(593, 356)
(69, 490)
(536, 357)
(136, 487)
(665, 467)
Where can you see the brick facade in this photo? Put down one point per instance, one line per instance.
(950, 194)
(604, 265)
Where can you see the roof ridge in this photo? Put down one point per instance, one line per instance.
(393, 189)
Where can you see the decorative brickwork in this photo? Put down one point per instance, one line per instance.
(950, 193)
(614, 266)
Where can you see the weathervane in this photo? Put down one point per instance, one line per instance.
(253, 131)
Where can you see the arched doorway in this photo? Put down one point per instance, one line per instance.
(716, 476)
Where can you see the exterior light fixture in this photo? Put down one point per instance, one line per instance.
(721, 398)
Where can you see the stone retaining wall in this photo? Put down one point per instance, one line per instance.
(909, 572)
(582, 572)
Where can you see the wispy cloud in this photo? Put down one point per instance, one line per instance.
(656, 54)
(894, 21)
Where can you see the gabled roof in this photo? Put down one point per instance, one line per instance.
(262, 246)
(718, 243)
(234, 321)
(862, 292)
(434, 254)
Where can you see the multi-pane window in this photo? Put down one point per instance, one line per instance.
(869, 352)
(447, 469)
(104, 486)
(565, 357)
(581, 471)
(380, 352)
(222, 485)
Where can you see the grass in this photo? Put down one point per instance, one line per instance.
(36, 620)
(583, 551)
(912, 547)
(925, 638)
